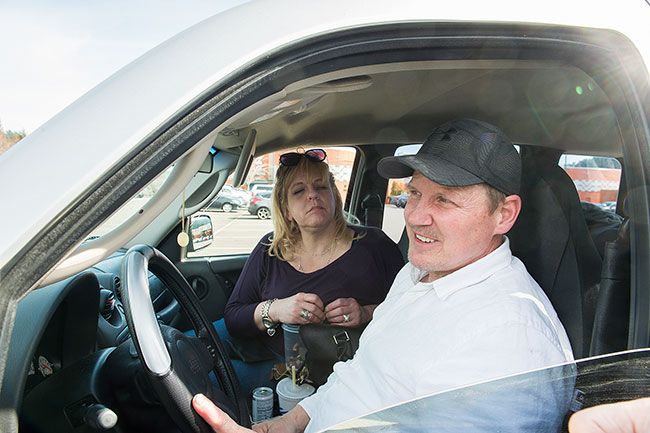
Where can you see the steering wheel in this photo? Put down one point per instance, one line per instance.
(178, 365)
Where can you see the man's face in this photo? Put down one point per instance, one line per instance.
(448, 227)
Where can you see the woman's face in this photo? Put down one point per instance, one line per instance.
(310, 202)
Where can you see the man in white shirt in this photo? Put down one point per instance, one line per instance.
(463, 310)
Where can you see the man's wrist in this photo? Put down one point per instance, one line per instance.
(366, 313)
(297, 419)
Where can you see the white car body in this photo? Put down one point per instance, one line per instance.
(57, 167)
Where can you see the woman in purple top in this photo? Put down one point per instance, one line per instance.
(313, 268)
(355, 282)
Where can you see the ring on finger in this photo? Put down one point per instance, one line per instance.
(346, 317)
(305, 314)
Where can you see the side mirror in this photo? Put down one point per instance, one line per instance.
(200, 232)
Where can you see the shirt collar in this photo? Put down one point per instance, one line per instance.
(471, 274)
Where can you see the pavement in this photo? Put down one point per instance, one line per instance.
(238, 232)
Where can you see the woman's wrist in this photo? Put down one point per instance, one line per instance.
(267, 321)
(262, 317)
(273, 311)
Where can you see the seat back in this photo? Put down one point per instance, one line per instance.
(552, 239)
(612, 316)
(403, 245)
(373, 210)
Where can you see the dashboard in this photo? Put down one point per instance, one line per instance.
(64, 324)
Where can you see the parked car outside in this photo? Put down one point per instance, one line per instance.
(260, 205)
(393, 199)
(608, 205)
(261, 187)
(244, 195)
(226, 201)
(401, 200)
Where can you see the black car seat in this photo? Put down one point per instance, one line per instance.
(373, 210)
(612, 316)
(403, 245)
(603, 225)
(551, 238)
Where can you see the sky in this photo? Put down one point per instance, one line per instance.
(52, 52)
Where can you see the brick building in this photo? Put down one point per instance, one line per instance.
(340, 161)
(595, 185)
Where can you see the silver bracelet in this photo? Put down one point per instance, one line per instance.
(269, 324)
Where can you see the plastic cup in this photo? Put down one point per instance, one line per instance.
(294, 349)
(289, 395)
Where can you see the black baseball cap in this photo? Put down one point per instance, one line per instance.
(459, 153)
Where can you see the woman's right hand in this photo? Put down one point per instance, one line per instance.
(299, 309)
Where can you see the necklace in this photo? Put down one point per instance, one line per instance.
(329, 250)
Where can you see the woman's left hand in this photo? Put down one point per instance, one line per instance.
(346, 312)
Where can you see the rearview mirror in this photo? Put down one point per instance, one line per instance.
(200, 232)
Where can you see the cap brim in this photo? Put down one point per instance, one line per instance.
(433, 168)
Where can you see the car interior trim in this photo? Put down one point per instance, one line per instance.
(89, 253)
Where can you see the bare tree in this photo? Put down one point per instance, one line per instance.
(9, 138)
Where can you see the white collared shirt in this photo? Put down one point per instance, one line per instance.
(486, 320)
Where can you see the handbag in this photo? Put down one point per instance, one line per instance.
(326, 345)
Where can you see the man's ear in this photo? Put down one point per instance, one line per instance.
(507, 214)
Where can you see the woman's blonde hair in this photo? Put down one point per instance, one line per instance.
(286, 235)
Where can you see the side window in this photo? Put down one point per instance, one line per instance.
(241, 216)
(597, 178)
(396, 198)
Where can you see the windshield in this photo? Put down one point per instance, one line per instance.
(132, 206)
(537, 401)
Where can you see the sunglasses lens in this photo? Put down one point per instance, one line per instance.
(293, 158)
(290, 159)
(316, 154)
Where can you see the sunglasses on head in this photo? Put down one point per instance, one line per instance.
(293, 158)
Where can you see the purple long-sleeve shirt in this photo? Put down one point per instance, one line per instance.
(364, 272)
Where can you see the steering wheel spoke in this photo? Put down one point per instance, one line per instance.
(178, 366)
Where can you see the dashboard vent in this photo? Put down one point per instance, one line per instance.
(117, 287)
(108, 304)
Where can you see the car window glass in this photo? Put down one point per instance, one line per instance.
(597, 178)
(396, 198)
(241, 216)
(132, 206)
(537, 401)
